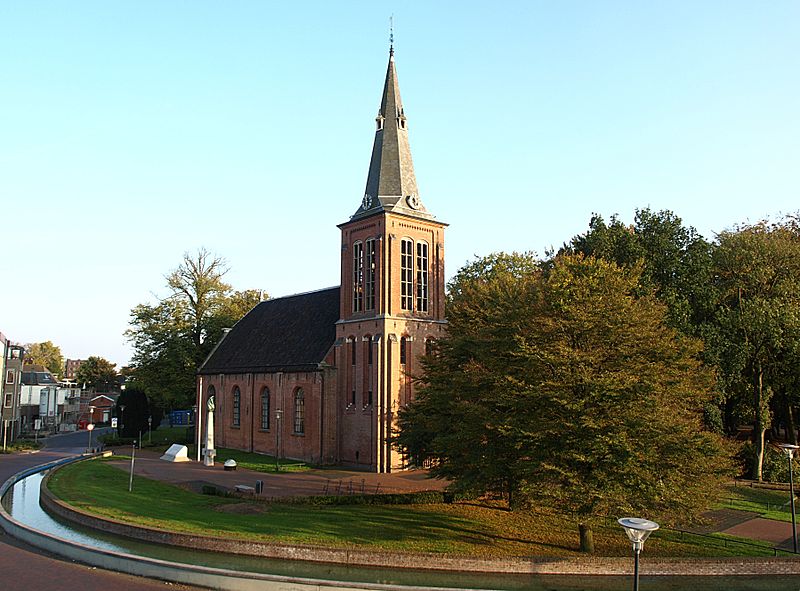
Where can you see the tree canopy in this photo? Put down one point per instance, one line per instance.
(563, 383)
(46, 354)
(757, 325)
(96, 372)
(174, 336)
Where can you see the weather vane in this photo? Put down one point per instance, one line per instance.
(391, 34)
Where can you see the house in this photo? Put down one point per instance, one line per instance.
(10, 390)
(320, 376)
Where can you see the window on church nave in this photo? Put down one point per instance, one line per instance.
(422, 277)
(406, 274)
(299, 411)
(403, 350)
(265, 408)
(237, 406)
(369, 279)
(358, 277)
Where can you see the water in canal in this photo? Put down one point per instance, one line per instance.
(22, 502)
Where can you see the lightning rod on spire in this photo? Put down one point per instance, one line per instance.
(391, 35)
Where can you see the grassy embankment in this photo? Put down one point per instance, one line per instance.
(771, 504)
(462, 528)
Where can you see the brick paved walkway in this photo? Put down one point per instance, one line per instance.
(307, 483)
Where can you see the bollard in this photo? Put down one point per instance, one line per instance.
(259, 486)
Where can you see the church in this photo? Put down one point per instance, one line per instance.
(320, 376)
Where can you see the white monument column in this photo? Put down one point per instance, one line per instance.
(210, 452)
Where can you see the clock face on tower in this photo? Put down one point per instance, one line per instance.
(413, 201)
(366, 202)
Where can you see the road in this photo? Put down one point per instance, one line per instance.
(23, 568)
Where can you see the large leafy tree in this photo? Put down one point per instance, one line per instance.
(133, 410)
(96, 372)
(757, 337)
(46, 354)
(565, 386)
(172, 337)
(676, 261)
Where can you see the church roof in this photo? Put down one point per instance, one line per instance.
(391, 183)
(293, 333)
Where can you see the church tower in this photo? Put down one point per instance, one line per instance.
(392, 293)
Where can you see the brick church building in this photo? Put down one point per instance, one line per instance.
(320, 376)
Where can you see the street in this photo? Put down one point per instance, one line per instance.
(25, 568)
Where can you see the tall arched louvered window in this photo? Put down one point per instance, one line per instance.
(406, 274)
(370, 264)
(299, 411)
(237, 406)
(422, 277)
(358, 277)
(265, 408)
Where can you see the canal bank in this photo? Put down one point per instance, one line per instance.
(209, 569)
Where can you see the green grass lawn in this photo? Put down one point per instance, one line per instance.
(21, 445)
(461, 528)
(772, 504)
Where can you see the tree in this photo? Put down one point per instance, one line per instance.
(133, 409)
(676, 261)
(46, 354)
(173, 337)
(561, 384)
(757, 270)
(96, 371)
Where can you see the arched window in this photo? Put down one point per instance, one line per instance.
(428, 346)
(265, 408)
(299, 411)
(358, 277)
(403, 350)
(422, 277)
(406, 274)
(211, 393)
(369, 276)
(237, 406)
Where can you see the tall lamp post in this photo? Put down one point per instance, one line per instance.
(638, 530)
(278, 415)
(789, 449)
(90, 427)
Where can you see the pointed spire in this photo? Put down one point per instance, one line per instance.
(391, 183)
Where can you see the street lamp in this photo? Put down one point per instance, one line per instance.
(638, 531)
(789, 449)
(90, 427)
(278, 415)
(149, 429)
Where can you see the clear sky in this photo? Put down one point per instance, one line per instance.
(131, 132)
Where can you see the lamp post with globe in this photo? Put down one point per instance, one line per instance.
(789, 450)
(638, 530)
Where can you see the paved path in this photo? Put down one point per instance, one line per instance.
(23, 568)
(286, 484)
(778, 533)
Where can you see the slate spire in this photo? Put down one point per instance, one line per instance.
(391, 183)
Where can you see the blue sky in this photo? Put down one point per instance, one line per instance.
(131, 132)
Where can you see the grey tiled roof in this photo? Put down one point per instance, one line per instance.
(293, 333)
